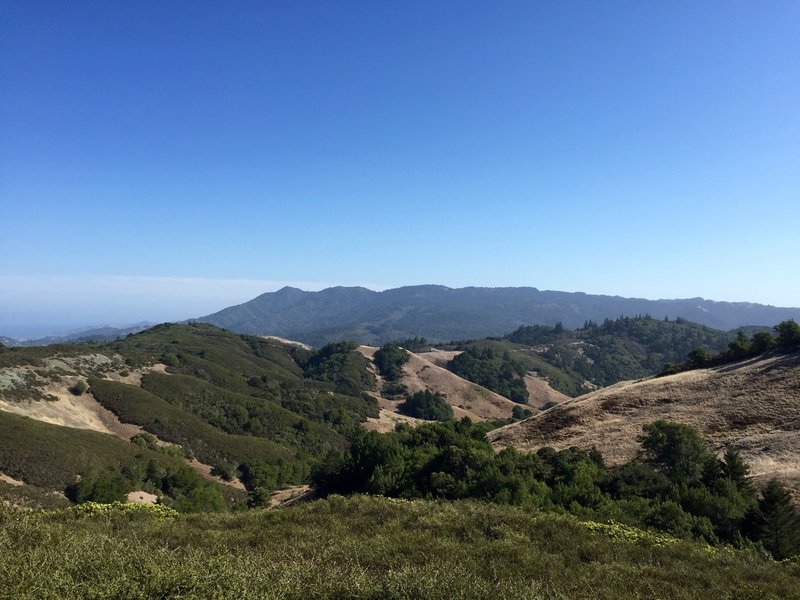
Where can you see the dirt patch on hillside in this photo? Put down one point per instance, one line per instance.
(753, 406)
(134, 376)
(81, 412)
(205, 470)
(10, 480)
(141, 497)
(290, 495)
(281, 340)
(388, 417)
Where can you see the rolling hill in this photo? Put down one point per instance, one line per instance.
(250, 410)
(753, 406)
(442, 314)
(241, 411)
(466, 398)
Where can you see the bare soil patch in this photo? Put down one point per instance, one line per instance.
(141, 497)
(10, 480)
(290, 495)
(285, 341)
(205, 470)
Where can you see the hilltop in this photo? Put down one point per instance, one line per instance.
(753, 406)
(442, 314)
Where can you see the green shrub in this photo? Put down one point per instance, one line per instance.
(393, 390)
(366, 548)
(497, 372)
(427, 405)
(79, 388)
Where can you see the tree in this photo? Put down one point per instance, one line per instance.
(762, 341)
(518, 413)
(98, 486)
(775, 523)
(735, 469)
(739, 347)
(699, 357)
(427, 405)
(676, 450)
(788, 334)
(390, 359)
(79, 388)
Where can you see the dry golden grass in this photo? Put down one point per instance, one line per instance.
(753, 406)
(82, 412)
(540, 392)
(539, 389)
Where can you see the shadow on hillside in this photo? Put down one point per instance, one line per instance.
(785, 361)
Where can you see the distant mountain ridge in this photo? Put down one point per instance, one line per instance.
(93, 334)
(442, 314)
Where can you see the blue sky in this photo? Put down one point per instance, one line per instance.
(161, 160)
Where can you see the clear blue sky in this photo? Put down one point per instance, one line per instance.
(161, 160)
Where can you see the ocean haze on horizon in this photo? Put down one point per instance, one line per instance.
(32, 307)
(40, 306)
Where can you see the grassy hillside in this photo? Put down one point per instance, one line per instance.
(51, 457)
(753, 406)
(626, 348)
(367, 548)
(251, 408)
(173, 424)
(565, 380)
(576, 361)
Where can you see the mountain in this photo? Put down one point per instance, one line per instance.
(442, 314)
(753, 406)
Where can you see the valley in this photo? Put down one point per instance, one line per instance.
(196, 419)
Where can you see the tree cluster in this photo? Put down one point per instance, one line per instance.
(427, 405)
(494, 371)
(786, 340)
(390, 359)
(677, 485)
(342, 365)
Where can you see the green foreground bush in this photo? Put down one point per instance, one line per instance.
(363, 547)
